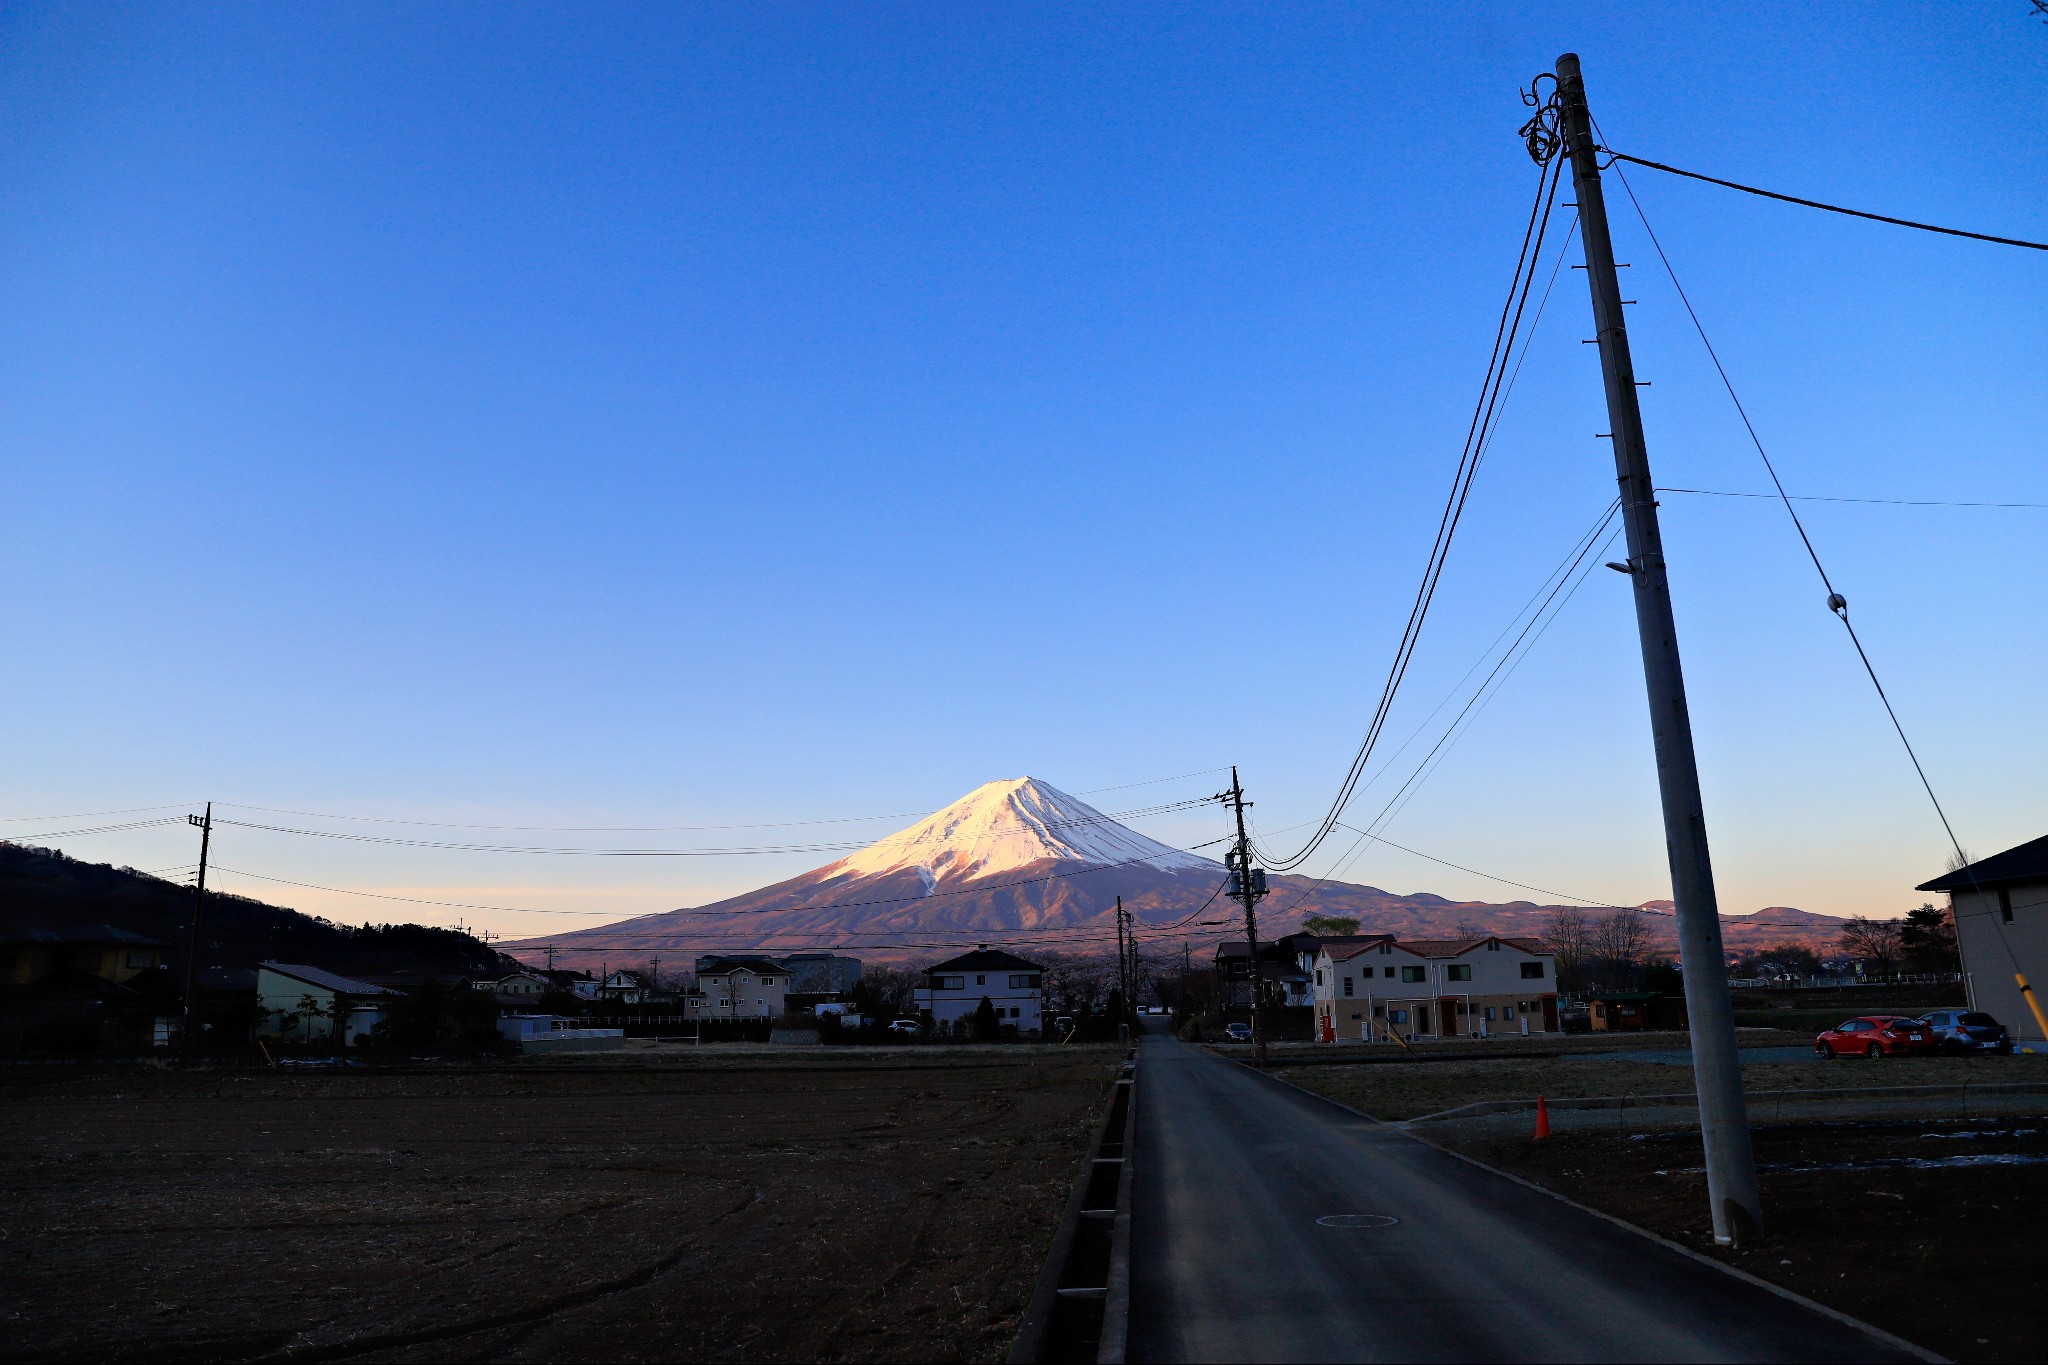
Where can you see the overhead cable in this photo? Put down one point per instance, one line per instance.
(1817, 204)
(1484, 414)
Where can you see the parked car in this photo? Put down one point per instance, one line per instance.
(1968, 1031)
(1062, 1025)
(1877, 1035)
(1238, 1033)
(905, 1026)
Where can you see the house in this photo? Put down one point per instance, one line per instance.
(28, 956)
(819, 978)
(1288, 980)
(622, 988)
(1634, 1011)
(1371, 987)
(85, 987)
(739, 988)
(307, 1002)
(2001, 917)
(954, 989)
(520, 990)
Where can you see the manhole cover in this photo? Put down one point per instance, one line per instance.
(1356, 1220)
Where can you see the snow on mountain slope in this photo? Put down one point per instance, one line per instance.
(1005, 826)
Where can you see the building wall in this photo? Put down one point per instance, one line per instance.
(761, 996)
(951, 1006)
(1448, 1007)
(1986, 938)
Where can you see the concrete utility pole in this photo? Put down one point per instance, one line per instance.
(1123, 972)
(1249, 889)
(1717, 1068)
(190, 1026)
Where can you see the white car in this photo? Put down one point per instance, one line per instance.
(905, 1026)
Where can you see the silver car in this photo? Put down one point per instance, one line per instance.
(1968, 1031)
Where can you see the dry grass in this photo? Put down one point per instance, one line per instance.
(1396, 1091)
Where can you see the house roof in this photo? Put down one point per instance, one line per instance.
(2028, 862)
(985, 959)
(83, 935)
(326, 981)
(726, 966)
(1452, 947)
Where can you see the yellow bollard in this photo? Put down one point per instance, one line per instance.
(2032, 1003)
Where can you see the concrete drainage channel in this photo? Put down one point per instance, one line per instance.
(1081, 1308)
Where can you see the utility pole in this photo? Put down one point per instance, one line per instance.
(1123, 972)
(1248, 884)
(1717, 1069)
(190, 1027)
(550, 951)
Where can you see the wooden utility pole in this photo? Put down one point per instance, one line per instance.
(190, 1026)
(1717, 1067)
(1248, 884)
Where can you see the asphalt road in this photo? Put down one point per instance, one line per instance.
(1229, 1262)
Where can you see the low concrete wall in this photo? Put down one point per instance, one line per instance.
(574, 1040)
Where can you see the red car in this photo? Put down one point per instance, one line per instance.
(1878, 1035)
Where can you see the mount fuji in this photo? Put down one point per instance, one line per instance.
(1021, 860)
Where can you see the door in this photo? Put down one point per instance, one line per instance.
(1422, 1018)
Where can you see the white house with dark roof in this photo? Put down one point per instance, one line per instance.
(1434, 988)
(2001, 915)
(953, 990)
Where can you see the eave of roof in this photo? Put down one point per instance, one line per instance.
(2022, 863)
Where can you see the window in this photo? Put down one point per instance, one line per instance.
(767, 980)
(1023, 981)
(1379, 1011)
(2005, 904)
(142, 959)
(1390, 973)
(1411, 975)
(981, 980)
(1319, 976)
(1507, 1011)
(1397, 1016)
(1489, 1012)
(1492, 947)
(1347, 985)
(950, 983)
(1387, 949)
(1532, 971)
(1460, 971)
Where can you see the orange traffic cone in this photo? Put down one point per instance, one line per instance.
(1542, 1118)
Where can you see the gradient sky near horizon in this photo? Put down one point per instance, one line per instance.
(653, 415)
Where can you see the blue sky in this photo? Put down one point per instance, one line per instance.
(658, 416)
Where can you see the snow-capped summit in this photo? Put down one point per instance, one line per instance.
(1007, 825)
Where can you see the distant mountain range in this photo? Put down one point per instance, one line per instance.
(1022, 863)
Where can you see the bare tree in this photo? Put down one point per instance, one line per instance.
(1569, 940)
(1874, 940)
(1619, 942)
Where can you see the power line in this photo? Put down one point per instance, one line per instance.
(97, 829)
(88, 814)
(1554, 583)
(1484, 415)
(1881, 502)
(632, 829)
(764, 850)
(1817, 204)
(1836, 603)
